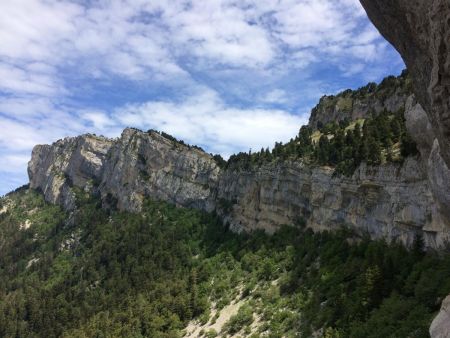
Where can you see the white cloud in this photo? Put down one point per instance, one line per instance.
(138, 39)
(29, 27)
(220, 31)
(312, 24)
(16, 136)
(25, 108)
(275, 96)
(14, 163)
(206, 120)
(99, 120)
(27, 81)
(353, 69)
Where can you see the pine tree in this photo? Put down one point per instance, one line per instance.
(363, 150)
(374, 149)
(350, 139)
(323, 150)
(396, 129)
(373, 289)
(268, 155)
(193, 289)
(357, 133)
(304, 136)
(418, 247)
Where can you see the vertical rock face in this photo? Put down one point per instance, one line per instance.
(73, 161)
(125, 170)
(438, 173)
(147, 164)
(389, 201)
(420, 30)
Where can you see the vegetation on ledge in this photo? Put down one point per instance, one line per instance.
(340, 106)
(380, 139)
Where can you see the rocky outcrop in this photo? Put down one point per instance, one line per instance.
(420, 129)
(124, 171)
(390, 201)
(147, 164)
(440, 327)
(390, 95)
(78, 161)
(420, 31)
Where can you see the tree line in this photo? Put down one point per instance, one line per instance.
(381, 138)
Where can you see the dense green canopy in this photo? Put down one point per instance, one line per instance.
(96, 273)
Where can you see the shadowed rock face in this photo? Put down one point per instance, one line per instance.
(420, 31)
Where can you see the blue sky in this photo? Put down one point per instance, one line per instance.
(227, 75)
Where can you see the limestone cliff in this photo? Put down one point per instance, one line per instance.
(124, 170)
(147, 164)
(75, 161)
(391, 201)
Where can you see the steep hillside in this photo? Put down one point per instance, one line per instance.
(176, 272)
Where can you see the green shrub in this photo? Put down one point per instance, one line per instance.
(244, 317)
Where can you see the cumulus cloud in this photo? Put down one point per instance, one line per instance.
(141, 39)
(206, 120)
(27, 80)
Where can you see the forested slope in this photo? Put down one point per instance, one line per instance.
(99, 273)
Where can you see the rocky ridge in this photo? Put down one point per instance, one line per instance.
(148, 164)
(77, 161)
(390, 95)
(391, 201)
